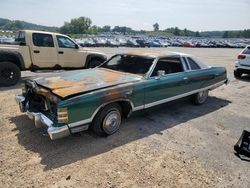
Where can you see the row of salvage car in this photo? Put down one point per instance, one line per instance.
(145, 41)
(150, 42)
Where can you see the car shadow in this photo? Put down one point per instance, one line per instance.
(245, 78)
(57, 153)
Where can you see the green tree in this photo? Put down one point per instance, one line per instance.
(77, 26)
(197, 34)
(106, 28)
(185, 32)
(176, 31)
(156, 27)
(225, 34)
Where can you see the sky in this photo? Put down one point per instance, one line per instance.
(197, 15)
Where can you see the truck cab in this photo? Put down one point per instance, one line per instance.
(37, 50)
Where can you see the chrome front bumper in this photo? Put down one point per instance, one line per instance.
(42, 121)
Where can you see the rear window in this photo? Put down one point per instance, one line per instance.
(193, 64)
(42, 40)
(246, 51)
(20, 37)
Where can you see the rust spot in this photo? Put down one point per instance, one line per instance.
(109, 76)
(118, 93)
(65, 87)
(69, 90)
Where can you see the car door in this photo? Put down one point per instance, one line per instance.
(43, 51)
(198, 77)
(69, 53)
(171, 85)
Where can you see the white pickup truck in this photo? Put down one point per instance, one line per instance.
(37, 50)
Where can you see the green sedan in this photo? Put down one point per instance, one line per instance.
(98, 98)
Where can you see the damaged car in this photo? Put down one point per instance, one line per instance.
(98, 98)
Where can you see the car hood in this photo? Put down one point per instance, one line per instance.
(69, 83)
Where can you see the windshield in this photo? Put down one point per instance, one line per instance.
(129, 63)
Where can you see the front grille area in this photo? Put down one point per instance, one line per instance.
(39, 103)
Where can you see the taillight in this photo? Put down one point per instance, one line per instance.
(241, 56)
(62, 115)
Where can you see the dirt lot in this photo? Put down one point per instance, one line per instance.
(174, 145)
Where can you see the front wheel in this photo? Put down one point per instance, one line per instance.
(200, 98)
(108, 120)
(9, 74)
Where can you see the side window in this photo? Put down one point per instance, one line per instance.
(169, 65)
(193, 64)
(64, 42)
(42, 40)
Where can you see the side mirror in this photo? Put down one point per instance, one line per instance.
(76, 46)
(160, 73)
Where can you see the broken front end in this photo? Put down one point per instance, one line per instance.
(42, 107)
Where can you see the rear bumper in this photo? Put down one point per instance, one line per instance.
(42, 121)
(242, 68)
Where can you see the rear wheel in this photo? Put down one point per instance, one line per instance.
(94, 63)
(237, 74)
(9, 74)
(200, 98)
(108, 120)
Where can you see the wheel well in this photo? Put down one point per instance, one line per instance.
(126, 107)
(11, 58)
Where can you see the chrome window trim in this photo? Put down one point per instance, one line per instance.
(148, 77)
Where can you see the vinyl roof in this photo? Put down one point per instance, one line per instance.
(154, 54)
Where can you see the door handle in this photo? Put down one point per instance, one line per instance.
(60, 52)
(36, 51)
(185, 80)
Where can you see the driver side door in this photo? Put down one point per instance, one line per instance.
(161, 89)
(69, 54)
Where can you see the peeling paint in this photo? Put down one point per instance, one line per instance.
(67, 84)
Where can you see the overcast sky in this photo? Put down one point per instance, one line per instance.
(200, 15)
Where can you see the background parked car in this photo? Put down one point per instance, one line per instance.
(242, 65)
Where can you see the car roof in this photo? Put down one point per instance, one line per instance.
(43, 32)
(154, 54)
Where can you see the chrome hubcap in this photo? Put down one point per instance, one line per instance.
(202, 96)
(112, 122)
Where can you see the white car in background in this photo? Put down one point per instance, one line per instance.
(242, 65)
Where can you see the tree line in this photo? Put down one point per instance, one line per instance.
(83, 25)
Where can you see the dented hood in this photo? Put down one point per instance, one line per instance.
(69, 83)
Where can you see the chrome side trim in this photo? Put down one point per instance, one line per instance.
(82, 122)
(89, 120)
(185, 94)
(138, 108)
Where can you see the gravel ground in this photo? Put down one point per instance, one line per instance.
(173, 145)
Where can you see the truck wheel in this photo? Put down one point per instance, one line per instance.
(9, 74)
(200, 98)
(108, 120)
(237, 74)
(94, 63)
